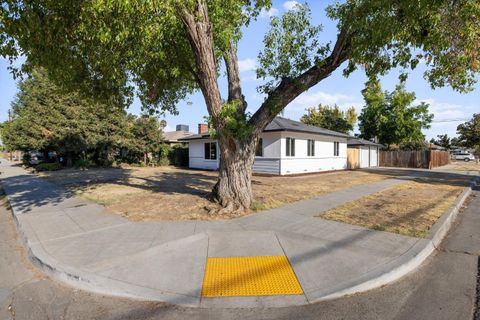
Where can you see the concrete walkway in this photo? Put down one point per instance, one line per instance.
(76, 241)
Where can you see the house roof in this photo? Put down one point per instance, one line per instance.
(175, 136)
(351, 141)
(283, 124)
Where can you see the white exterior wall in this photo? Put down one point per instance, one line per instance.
(196, 155)
(269, 163)
(324, 159)
(364, 157)
(275, 161)
(373, 156)
(368, 156)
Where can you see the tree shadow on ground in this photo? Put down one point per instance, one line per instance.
(433, 177)
(27, 194)
(196, 183)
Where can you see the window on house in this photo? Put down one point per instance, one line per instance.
(259, 151)
(290, 147)
(311, 148)
(211, 150)
(336, 148)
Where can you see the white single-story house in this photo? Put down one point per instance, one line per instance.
(286, 147)
(366, 155)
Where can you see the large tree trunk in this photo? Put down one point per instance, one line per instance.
(233, 190)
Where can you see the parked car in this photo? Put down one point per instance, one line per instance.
(465, 156)
(36, 157)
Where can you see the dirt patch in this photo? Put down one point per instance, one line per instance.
(168, 193)
(410, 209)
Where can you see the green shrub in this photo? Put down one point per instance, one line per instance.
(26, 159)
(138, 164)
(163, 161)
(48, 166)
(82, 164)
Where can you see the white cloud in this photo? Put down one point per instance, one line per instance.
(444, 111)
(290, 5)
(268, 13)
(307, 100)
(248, 64)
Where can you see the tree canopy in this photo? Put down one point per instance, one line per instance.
(390, 116)
(331, 118)
(47, 118)
(443, 140)
(469, 132)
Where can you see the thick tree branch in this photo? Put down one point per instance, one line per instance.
(199, 30)
(233, 75)
(289, 89)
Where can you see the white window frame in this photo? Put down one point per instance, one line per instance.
(336, 148)
(259, 148)
(210, 151)
(311, 148)
(290, 147)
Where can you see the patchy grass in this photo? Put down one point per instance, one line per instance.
(409, 209)
(169, 193)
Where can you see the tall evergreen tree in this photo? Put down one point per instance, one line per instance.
(47, 118)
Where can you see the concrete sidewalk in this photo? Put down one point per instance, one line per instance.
(76, 241)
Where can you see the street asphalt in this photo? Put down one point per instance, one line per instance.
(444, 287)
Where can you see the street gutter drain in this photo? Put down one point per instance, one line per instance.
(249, 276)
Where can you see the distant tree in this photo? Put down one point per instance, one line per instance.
(47, 118)
(411, 145)
(443, 140)
(331, 118)
(455, 142)
(469, 132)
(147, 136)
(391, 118)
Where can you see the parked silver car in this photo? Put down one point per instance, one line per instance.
(465, 156)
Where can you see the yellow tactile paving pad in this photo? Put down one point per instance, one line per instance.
(249, 276)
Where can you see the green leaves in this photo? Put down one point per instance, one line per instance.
(45, 117)
(331, 118)
(445, 35)
(291, 47)
(391, 118)
(231, 121)
(469, 132)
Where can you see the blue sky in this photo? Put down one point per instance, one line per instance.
(445, 103)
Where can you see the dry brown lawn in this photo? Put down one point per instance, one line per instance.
(410, 209)
(168, 193)
(463, 166)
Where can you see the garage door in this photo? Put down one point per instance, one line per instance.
(364, 157)
(373, 156)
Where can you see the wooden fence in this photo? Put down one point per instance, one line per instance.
(414, 159)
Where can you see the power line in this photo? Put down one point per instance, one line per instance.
(450, 120)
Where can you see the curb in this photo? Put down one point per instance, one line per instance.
(412, 258)
(385, 274)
